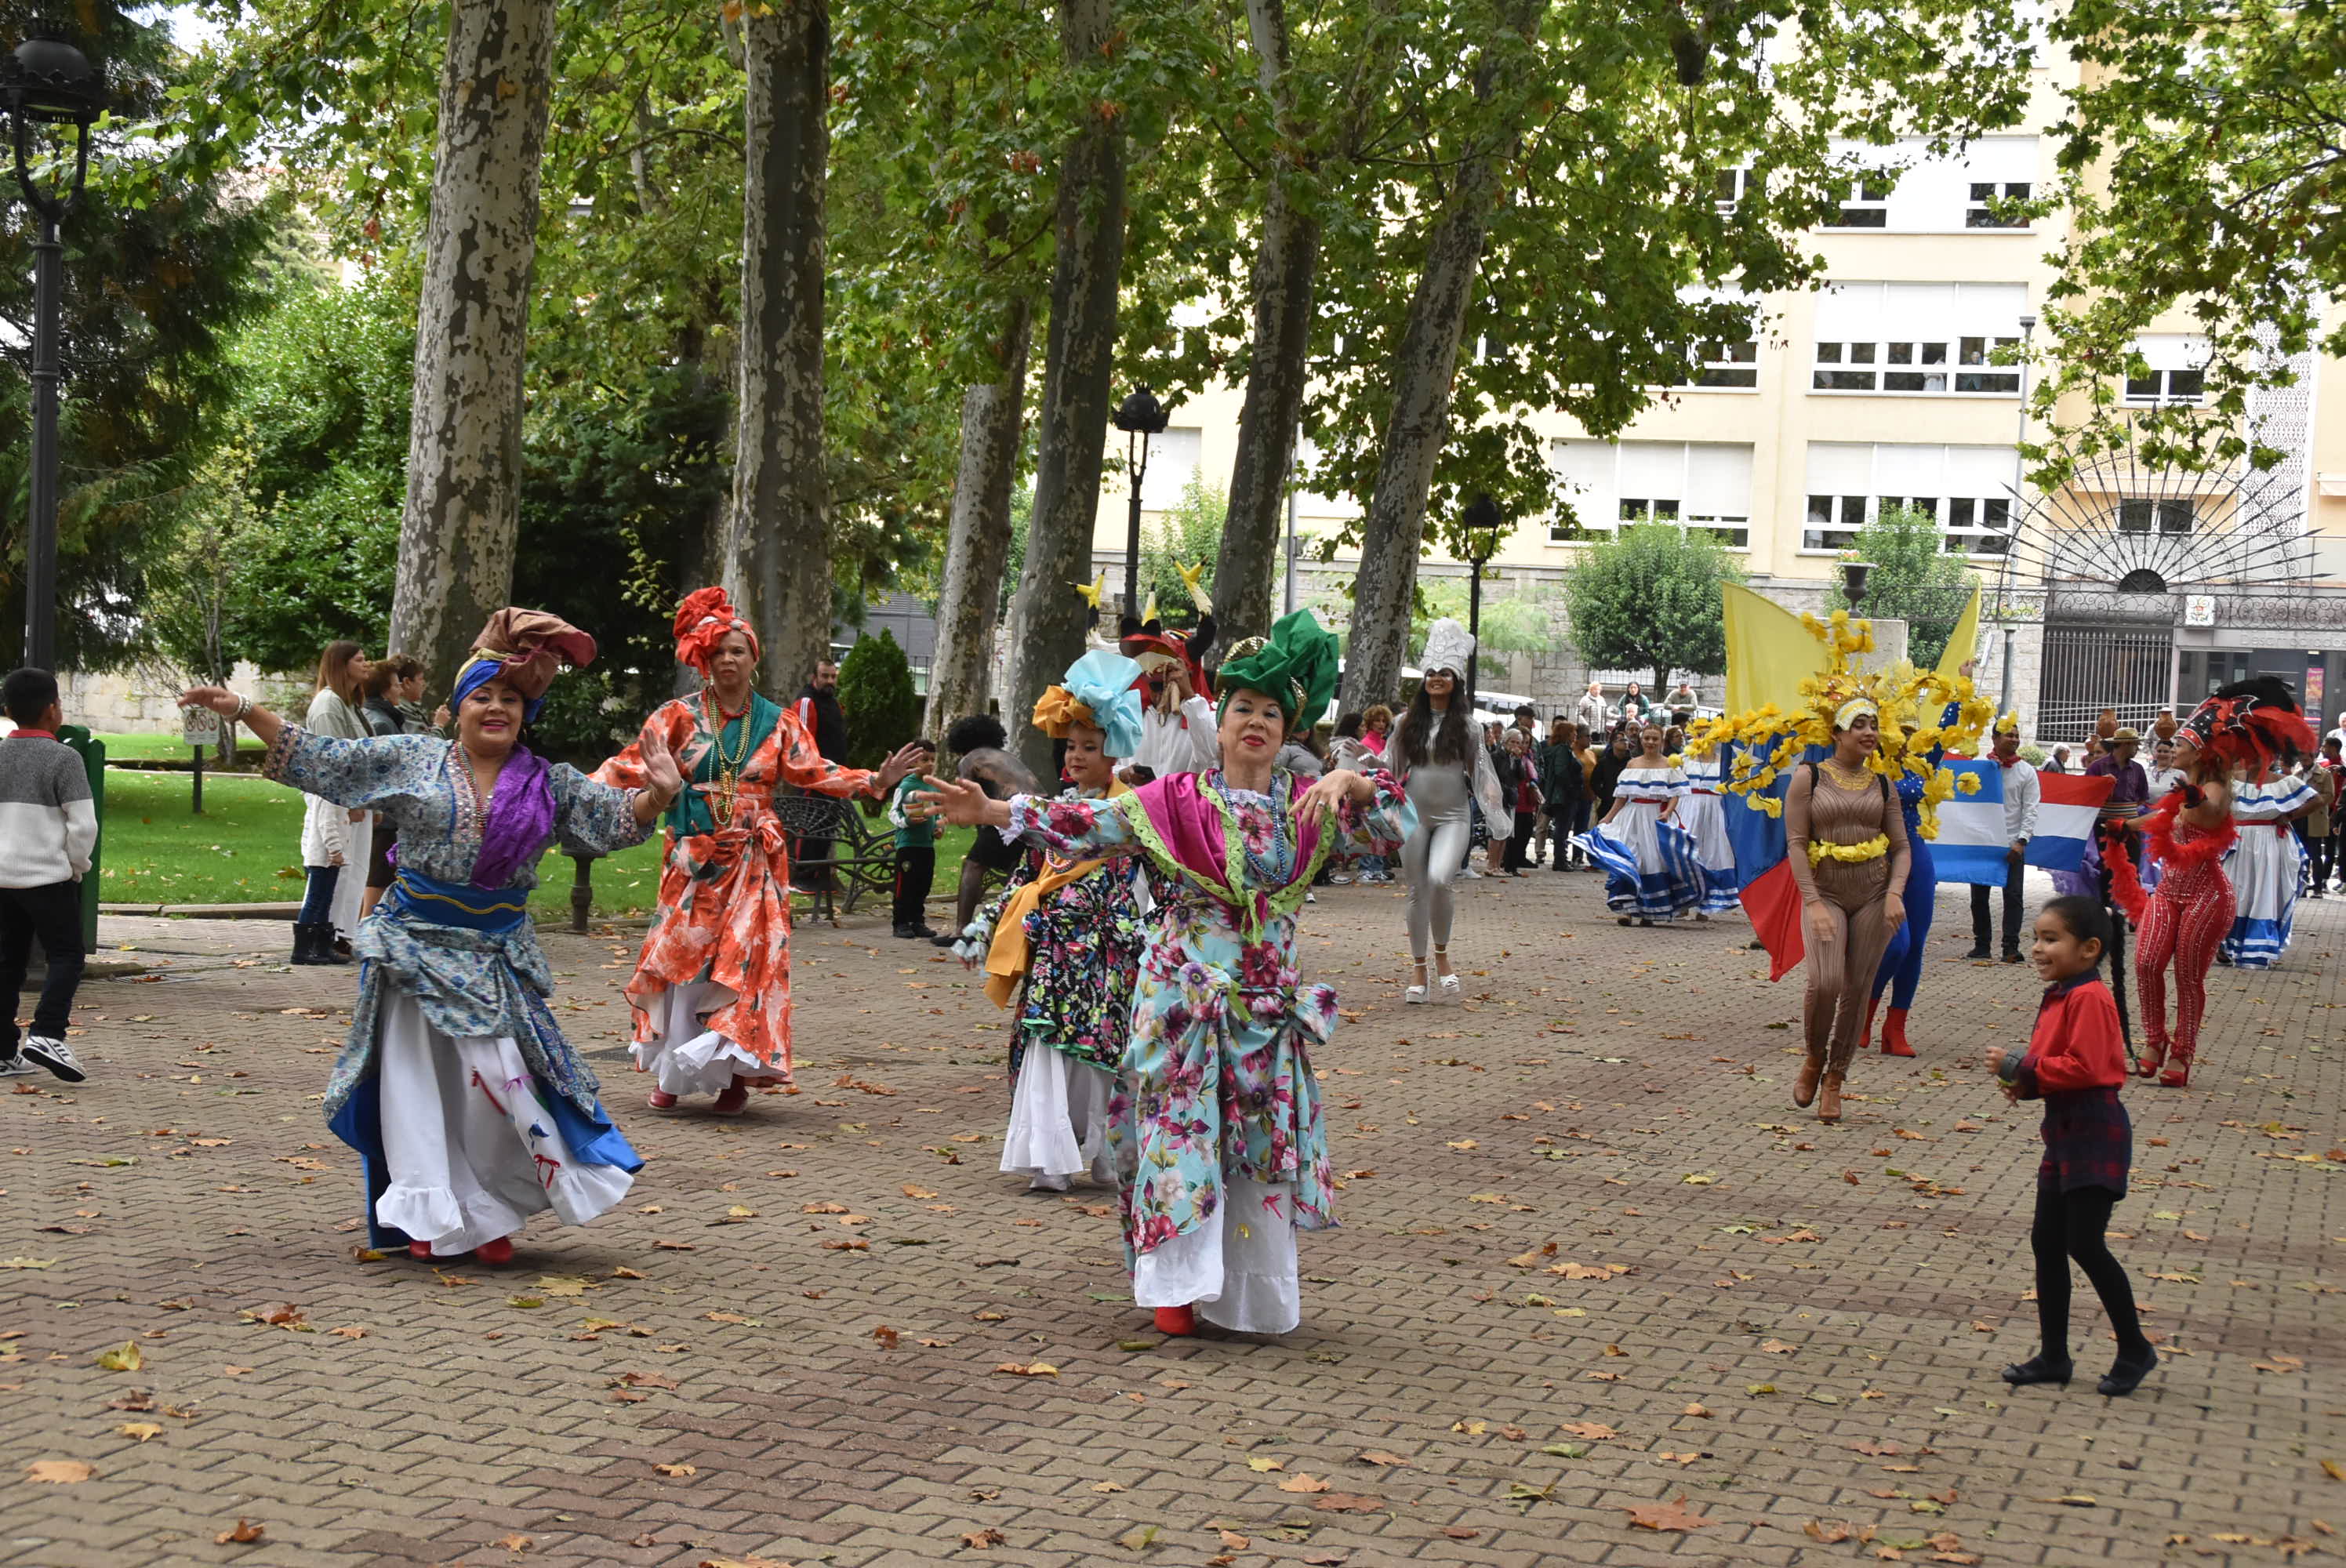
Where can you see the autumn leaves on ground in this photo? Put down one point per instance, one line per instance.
(1599, 1293)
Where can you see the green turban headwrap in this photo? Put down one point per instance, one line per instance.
(1295, 667)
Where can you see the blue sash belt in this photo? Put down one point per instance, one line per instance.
(460, 904)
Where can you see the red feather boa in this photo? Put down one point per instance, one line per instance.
(2159, 826)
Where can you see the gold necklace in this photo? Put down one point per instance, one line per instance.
(728, 768)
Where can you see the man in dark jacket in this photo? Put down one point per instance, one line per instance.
(1563, 794)
(818, 709)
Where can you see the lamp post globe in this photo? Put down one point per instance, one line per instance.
(1139, 416)
(47, 81)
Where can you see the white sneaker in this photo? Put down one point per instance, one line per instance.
(56, 1055)
(1045, 1182)
(14, 1067)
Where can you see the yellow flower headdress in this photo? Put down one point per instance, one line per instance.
(1908, 703)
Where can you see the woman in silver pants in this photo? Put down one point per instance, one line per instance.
(1437, 757)
(1430, 862)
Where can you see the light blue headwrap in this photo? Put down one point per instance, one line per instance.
(1102, 683)
(478, 674)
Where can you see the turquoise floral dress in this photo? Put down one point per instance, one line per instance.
(1217, 1075)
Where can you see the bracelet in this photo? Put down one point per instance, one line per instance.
(243, 707)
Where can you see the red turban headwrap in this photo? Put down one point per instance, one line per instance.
(703, 621)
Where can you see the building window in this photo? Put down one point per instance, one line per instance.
(1868, 206)
(1639, 510)
(2168, 386)
(1981, 524)
(2172, 516)
(1846, 367)
(1834, 522)
(1720, 364)
(2005, 379)
(1918, 376)
(1979, 213)
(1729, 187)
(1697, 486)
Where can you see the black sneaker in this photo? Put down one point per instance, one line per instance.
(56, 1055)
(1979, 953)
(922, 933)
(2011, 955)
(943, 939)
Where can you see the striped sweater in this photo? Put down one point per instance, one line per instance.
(47, 823)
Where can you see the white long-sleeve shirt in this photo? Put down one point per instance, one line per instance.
(1183, 742)
(2021, 794)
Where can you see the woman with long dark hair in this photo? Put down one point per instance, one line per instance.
(1438, 759)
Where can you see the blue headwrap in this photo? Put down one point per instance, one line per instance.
(1099, 684)
(478, 674)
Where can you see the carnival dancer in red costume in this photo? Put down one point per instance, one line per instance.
(2185, 920)
(712, 993)
(1179, 732)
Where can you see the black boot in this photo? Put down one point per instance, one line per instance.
(305, 945)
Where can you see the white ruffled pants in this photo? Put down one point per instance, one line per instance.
(472, 1150)
(1239, 1268)
(1058, 1118)
(684, 1056)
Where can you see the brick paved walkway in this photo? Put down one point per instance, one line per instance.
(1592, 1260)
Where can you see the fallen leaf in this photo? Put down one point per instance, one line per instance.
(1593, 1431)
(1830, 1534)
(348, 1332)
(1695, 1410)
(1028, 1369)
(886, 1336)
(245, 1533)
(677, 1470)
(1303, 1484)
(515, 1542)
(59, 1472)
(1137, 1539)
(918, 1192)
(142, 1431)
(1666, 1516)
(989, 1536)
(1264, 1466)
(1374, 1456)
(560, 1285)
(122, 1357)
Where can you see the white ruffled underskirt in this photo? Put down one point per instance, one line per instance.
(1058, 1118)
(685, 1057)
(472, 1151)
(1239, 1268)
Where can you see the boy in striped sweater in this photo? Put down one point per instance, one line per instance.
(48, 827)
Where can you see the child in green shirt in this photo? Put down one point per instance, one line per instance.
(916, 849)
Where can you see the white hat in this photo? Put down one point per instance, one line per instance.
(1448, 646)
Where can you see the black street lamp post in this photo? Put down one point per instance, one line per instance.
(1139, 416)
(47, 81)
(1485, 529)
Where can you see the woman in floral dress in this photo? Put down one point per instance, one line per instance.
(1063, 941)
(1220, 1152)
(711, 992)
(469, 1109)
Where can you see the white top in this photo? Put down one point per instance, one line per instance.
(1183, 742)
(2021, 794)
(2269, 802)
(1668, 783)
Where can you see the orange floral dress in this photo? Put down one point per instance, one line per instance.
(718, 949)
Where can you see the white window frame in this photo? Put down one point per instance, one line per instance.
(1869, 198)
(1650, 508)
(1979, 214)
(1725, 365)
(1729, 187)
(1889, 462)
(1901, 360)
(2159, 515)
(2178, 378)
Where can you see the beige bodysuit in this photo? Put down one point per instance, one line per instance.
(1854, 893)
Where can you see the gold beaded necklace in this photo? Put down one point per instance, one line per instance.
(728, 768)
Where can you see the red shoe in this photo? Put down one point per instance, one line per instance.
(2154, 1055)
(733, 1101)
(497, 1252)
(1179, 1321)
(1893, 1033)
(660, 1100)
(420, 1250)
(1865, 1036)
(2177, 1074)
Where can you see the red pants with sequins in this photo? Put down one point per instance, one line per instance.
(2187, 931)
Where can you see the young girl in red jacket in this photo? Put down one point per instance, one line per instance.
(2075, 1061)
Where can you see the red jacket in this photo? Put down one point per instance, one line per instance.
(2076, 1044)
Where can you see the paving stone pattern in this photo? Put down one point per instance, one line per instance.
(1591, 1261)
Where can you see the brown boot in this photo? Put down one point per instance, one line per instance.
(1829, 1098)
(1804, 1087)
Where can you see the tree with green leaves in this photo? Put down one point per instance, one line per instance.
(1912, 580)
(875, 690)
(158, 271)
(1648, 598)
(2204, 162)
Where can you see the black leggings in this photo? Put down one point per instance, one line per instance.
(2069, 1224)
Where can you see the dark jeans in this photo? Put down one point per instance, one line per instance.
(2323, 850)
(53, 914)
(1579, 824)
(318, 898)
(2070, 1225)
(916, 872)
(2012, 873)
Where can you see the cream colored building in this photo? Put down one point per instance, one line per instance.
(1881, 387)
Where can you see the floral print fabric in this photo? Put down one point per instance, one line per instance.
(1084, 943)
(1217, 1075)
(724, 898)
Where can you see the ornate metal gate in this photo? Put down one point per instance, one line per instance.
(2090, 667)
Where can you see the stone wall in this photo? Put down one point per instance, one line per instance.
(144, 701)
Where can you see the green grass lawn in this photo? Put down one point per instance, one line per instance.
(247, 848)
(147, 747)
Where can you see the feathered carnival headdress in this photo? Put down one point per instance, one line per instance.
(1295, 667)
(705, 620)
(2250, 724)
(1098, 691)
(1154, 646)
(1909, 704)
(524, 648)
